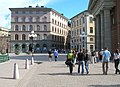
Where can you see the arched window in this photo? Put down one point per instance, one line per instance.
(23, 19)
(16, 36)
(16, 27)
(23, 27)
(45, 36)
(45, 28)
(30, 27)
(30, 19)
(16, 19)
(23, 37)
(38, 37)
(38, 27)
(45, 19)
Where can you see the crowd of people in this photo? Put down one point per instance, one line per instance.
(83, 58)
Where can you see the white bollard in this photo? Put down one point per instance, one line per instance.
(27, 64)
(16, 71)
(32, 61)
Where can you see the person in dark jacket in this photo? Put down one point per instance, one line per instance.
(80, 59)
(86, 59)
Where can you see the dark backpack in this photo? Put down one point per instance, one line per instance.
(80, 56)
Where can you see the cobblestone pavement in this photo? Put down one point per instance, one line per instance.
(56, 74)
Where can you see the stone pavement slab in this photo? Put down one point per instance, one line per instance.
(6, 72)
(56, 74)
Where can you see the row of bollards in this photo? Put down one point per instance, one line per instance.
(16, 70)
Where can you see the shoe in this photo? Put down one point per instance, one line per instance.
(87, 72)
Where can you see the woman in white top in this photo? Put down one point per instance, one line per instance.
(116, 60)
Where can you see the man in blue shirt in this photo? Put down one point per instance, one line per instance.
(55, 54)
(106, 58)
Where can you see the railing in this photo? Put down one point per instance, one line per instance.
(4, 57)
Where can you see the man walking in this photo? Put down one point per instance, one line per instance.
(80, 58)
(106, 58)
(55, 54)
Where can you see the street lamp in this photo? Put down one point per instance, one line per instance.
(32, 35)
(83, 41)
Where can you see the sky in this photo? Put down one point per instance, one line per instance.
(69, 8)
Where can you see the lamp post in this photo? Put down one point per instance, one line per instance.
(32, 35)
(83, 41)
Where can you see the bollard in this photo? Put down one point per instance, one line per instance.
(16, 71)
(26, 64)
(32, 61)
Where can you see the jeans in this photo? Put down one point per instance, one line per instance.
(87, 66)
(116, 66)
(81, 63)
(105, 68)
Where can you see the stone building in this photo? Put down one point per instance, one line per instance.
(50, 26)
(102, 11)
(4, 40)
(82, 31)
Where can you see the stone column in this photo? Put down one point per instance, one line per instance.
(97, 32)
(102, 29)
(107, 29)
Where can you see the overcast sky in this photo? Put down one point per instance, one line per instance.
(67, 7)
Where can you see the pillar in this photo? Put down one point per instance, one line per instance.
(107, 29)
(102, 30)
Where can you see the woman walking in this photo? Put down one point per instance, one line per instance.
(116, 61)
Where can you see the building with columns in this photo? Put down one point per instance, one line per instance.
(102, 12)
(50, 26)
(82, 31)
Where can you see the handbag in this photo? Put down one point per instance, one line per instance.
(68, 62)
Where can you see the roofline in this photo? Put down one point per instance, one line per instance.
(38, 8)
(79, 14)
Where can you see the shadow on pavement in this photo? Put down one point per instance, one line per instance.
(117, 85)
(73, 74)
(6, 78)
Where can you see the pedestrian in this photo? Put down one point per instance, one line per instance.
(86, 59)
(100, 53)
(55, 54)
(116, 61)
(50, 55)
(70, 60)
(93, 57)
(80, 59)
(105, 58)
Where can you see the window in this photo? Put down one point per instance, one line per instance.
(91, 39)
(16, 36)
(83, 19)
(77, 22)
(91, 20)
(23, 12)
(91, 29)
(23, 27)
(45, 19)
(23, 37)
(80, 21)
(16, 19)
(45, 28)
(30, 19)
(16, 12)
(53, 21)
(37, 19)
(45, 36)
(30, 27)
(83, 29)
(16, 27)
(23, 19)
(91, 47)
(38, 27)
(38, 37)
